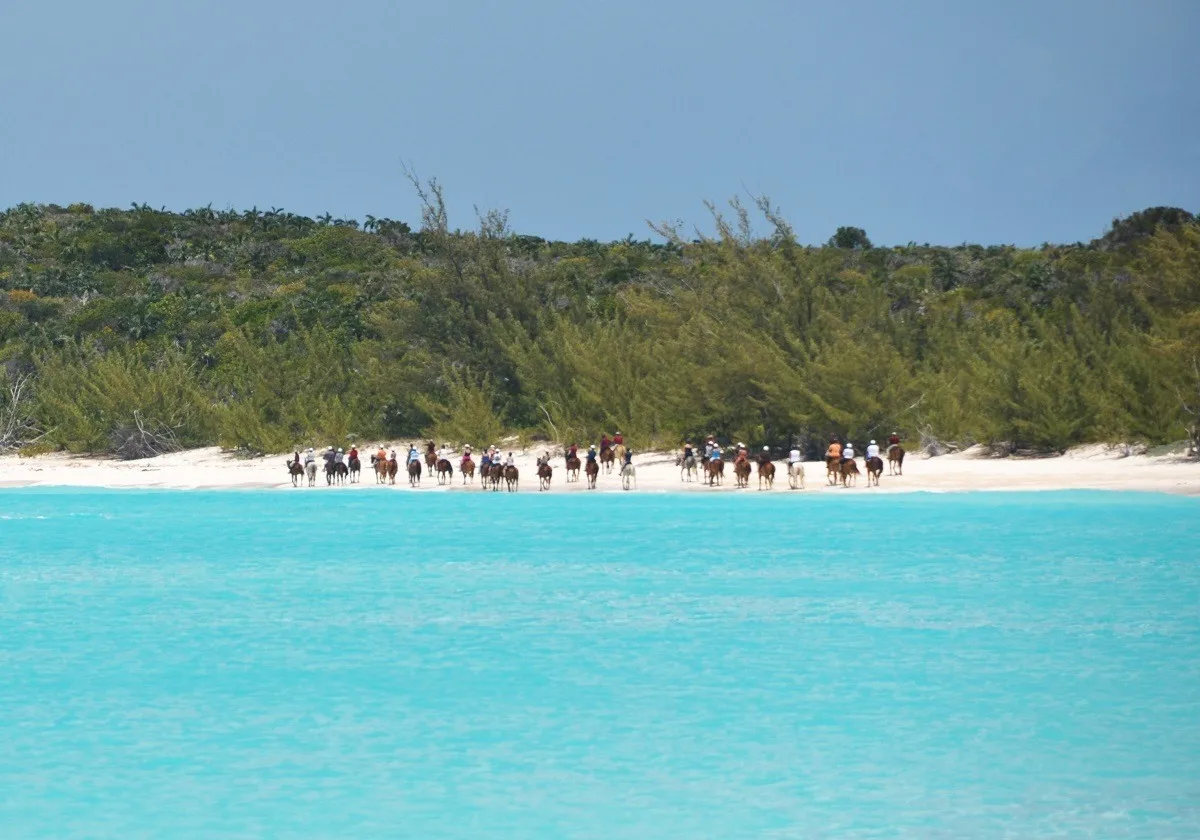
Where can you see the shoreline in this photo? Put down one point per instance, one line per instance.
(1084, 468)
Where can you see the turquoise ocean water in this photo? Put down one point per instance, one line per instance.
(381, 664)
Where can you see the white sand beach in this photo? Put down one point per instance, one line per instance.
(1093, 467)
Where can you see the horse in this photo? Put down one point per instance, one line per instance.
(796, 476)
(618, 451)
(380, 465)
(896, 460)
(606, 458)
(573, 468)
(741, 470)
(445, 471)
(687, 469)
(355, 471)
(310, 472)
(849, 472)
(393, 467)
(414, 473)
(467, 468)
(766, 474)
(340, 472)
(330, 472)
(715, 468)
(592, 470)
(545, 472)
(430, 457)
(628, 476)
(497, 475)
(510, 477)
(874, 470)
(296, 471)
(833, 469)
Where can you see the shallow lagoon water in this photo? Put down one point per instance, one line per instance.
(296, 664)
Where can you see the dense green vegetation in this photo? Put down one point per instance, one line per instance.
(140, 330)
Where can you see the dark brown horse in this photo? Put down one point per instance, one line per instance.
(874, 470)
(496, 475)
(545, 473)
(766, 475)
(414, 473)
(510, 477)
(849, 472)
(340, 472)
(467, 468)
(393, 467)
(592, 470)
(445, 471)
(355, 470)
(296, 471)
(741, 471)
(607, 458)
(573, 468)
(896, 460)
(715, 469)
(430, 457)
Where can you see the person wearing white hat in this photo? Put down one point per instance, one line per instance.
(764, 456)
(309, 456)
(872, 450)
(339, 457)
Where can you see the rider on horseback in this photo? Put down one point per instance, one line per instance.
(486, 461)
(872, 450)
(618, 440)
(742, 455)
(339, 457)
(444, 453)
(604, 442)
(591, 454)
(848, 452)
(466, 456)
(572, 452)
(893, 441)
(309, 456)
(834, 450)
(764, 457)
(329, 457)
(628, 455)
(794, 456)
(381, 455)
(508, 462)
(688, 451)
(413, 455)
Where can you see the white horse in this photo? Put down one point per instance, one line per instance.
(628, 477)
(796, 476)
(310, 470)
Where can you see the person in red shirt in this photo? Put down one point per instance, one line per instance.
(618, 440)
(572, 452)
(604, 444)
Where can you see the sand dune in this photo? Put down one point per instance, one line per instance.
(1093, 467)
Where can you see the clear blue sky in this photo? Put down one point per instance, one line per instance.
(928, 120)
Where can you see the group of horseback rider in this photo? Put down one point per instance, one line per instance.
(843, 453)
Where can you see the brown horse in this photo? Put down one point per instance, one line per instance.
(340, 472)
(414, 473)
(510, 477)
(715, 469)
(445, 471)
(896, 460)
(874, 470)
(355, 470)
(296, 471)
(496, 476)
(833, 469)
(545, 472)
(573, 466)
(607, 458)
(393, 467)
(766, 475)
(430, 457)
(380, 466)
(849, 472)
(467, 468)
(592, 470)
(741, 471)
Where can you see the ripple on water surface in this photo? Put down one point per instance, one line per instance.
(467, 665)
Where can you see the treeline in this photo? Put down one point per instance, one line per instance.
(139, 331)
